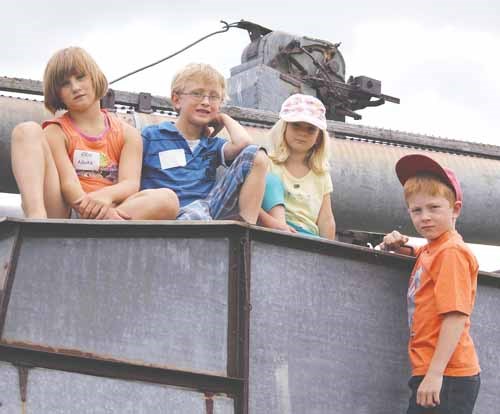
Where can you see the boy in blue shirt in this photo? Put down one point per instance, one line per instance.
(183, 156)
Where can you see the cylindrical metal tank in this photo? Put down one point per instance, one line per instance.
(367, 195)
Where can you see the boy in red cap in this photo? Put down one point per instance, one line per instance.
(442, 289)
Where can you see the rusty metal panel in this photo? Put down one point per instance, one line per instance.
(7, 242)
(160, 301)
(59, 392)
(328, 332)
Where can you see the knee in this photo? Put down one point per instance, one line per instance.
(26, 132)
(261, 161)
(166, 201)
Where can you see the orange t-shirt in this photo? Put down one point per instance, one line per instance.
(95, 159)
(444, 279)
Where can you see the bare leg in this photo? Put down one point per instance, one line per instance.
(36, 174)
(159, 204)
(252, 190)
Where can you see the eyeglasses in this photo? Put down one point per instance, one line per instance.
(198, 97)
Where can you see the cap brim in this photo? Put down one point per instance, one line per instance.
(303, 118)
(411, 165)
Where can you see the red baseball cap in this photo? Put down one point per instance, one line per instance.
(411, 165)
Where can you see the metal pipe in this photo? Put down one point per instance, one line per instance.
(367, 195)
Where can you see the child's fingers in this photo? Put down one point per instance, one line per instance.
(123, 215)
(436, 398)
(427, 398)
(83, 203)
(102, 213)
(90, 210)
(95, 211)
(207, 132)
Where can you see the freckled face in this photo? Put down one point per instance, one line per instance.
(432, 215)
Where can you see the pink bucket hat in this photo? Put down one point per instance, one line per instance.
(304, 108)
(411, 165)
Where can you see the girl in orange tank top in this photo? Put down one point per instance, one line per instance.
(87, 159)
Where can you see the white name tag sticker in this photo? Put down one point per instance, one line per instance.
(86, 160)
(172, 158)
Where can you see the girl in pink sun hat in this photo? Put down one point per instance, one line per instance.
(298, 184)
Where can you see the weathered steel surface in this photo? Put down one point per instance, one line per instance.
(58, 392)
(326, 321)
(328, 333)
(8, 239)
(151, 300)
(10, 397)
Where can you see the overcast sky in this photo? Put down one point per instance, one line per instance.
(439, 57)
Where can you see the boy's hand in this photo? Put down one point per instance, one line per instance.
(429, 390)
(393, 241)
(215, 125)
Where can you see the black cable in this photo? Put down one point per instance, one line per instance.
(224, 29)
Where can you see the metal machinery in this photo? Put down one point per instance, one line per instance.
(277, 64)
(222, 317)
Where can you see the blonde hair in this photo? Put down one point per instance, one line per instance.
(318, 157)
(428, 184)
(200, 72)
(63, 64)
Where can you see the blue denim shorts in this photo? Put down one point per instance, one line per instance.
(458, 395)
(222, 201)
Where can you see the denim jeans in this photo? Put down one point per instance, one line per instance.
(458, 395)
(222, 202)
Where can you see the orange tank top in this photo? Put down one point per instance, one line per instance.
(95, 159)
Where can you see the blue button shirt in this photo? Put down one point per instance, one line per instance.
(190, 182)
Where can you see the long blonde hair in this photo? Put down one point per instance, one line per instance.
(318, 157)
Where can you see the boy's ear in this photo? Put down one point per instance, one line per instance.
(175, 101)
(457, 208)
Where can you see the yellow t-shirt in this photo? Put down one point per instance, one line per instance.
(303, 196)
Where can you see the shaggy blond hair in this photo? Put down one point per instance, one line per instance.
(198, 72)
(65, 63)
(318, 157)
(428, 184)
